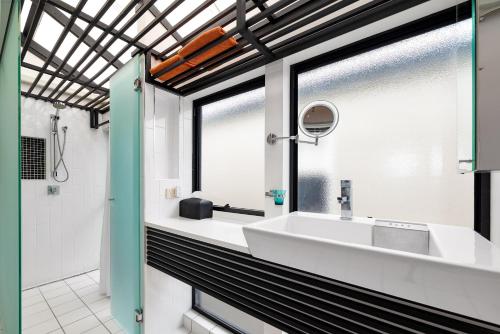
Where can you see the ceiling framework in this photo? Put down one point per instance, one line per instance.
(89, 40)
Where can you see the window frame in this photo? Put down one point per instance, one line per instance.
(253, 84)
(435, 21)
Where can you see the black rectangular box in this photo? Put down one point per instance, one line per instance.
(195, 208)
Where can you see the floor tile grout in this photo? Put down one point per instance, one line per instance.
(91, 311)
(73, 292)
(63, 279)
(50, 308)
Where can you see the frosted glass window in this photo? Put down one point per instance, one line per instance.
(232, 150)
(397, 133)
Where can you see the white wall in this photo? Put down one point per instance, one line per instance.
(61, 233)
(162, 145)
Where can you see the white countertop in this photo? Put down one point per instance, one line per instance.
(217, 231)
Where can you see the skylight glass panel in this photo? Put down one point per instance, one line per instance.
(198, 20)
(95, 33)
(223, 4)
(116, 47)
(163, 4)
(32, 59)
(133, 29)
(66, 46)
(113, 11)
(78, 54)
(43, 80)
(127, 54)
(25, 12)
(51, 87)
(95, 67)
(81, 24)
(105, 75)
(106, 85)
(92, 7)
(153, 34)
(94, 96)
(28, 75)
(183, 10)
(166, 43)
(48, 32)
(72, 3)
(252, 13)
(230, 26)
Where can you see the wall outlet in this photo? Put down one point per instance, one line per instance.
(53, 190)
(171, 193)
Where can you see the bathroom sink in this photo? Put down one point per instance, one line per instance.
(452, 268)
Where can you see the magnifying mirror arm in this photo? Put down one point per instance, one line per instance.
(273, 139)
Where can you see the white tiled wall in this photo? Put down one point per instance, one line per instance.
(162, 146)
(62, 233)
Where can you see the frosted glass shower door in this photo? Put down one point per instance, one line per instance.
(126, 211)
(10, 268)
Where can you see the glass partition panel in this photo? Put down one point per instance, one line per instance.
(396, 138)
(126, 215)
(10, 269)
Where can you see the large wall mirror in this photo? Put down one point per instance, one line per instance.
(488, 74)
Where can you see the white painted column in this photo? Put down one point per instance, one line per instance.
(277, 122)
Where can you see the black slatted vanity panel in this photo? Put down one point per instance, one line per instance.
(292, 300)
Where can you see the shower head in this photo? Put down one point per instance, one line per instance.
(59, 105)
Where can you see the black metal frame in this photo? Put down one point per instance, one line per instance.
(219, 321)
(197, 118)
(482, 203)
(264, 37)
(262, 32)
(431, 22)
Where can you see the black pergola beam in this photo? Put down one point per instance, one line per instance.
(270, 10)
(97, 101)
(42, 53)
(247, 34)
(87, 18)
(32, 21)
(262, 7)
(164, 22)
(59, 41)
(222, 19)
(288, 15)
(83, 36)
(334, 27)
(179, 24)
(59, 75)
(293, 13)
(47, 99)
(57, 15)
(103, 35)
(141, 34)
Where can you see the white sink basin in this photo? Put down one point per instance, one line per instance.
(461, 272)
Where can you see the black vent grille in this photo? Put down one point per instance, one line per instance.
(33, 160)
(293, 300)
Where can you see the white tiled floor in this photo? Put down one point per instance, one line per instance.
(70, 306)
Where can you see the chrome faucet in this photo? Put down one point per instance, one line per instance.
(345, 199)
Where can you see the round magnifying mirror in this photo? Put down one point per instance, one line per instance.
(318, 119)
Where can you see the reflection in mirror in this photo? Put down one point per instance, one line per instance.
(318, 119)
(488, 6)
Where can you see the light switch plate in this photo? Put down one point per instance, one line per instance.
(171, 193)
